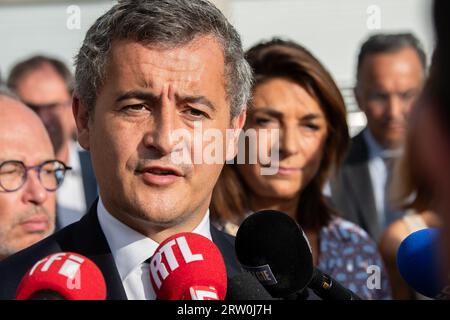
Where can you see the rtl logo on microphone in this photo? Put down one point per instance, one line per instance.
(171, 256)
(160, 269)
(188, 266)
(70, 268)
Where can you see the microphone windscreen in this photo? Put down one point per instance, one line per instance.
(272, 246)
(188, 266)
(418, 263)
(244, 286)
(66, 274)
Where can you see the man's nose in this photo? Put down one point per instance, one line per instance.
(33, 191)
(395, 106)
(160, 136)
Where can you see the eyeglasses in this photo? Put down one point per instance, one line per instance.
(14, 174)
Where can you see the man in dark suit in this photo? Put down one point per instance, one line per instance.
(148, 75)
(390, 74)
(45, 85)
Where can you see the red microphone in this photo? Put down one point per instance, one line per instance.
(188, 266)
(64, 276)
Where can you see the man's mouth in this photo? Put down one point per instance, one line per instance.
(36, 224)
(161, 172)
(394, 125)
(160, 175)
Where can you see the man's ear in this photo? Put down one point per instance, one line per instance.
(237, 124)
(81, 115)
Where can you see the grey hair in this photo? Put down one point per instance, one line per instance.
(168, 23)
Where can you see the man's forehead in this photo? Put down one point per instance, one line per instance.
(186, 63)
(404, 60)
(20, 128)
(19, 152)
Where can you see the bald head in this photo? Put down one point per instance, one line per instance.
(17, 119)
(27, 215)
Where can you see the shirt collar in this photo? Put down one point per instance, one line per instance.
(129, 247)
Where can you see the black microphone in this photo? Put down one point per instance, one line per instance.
(244, 286)
(272, 246)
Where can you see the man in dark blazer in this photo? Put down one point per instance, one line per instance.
(86, 237)
(148, 74)
(390, 74)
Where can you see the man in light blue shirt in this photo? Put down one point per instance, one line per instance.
(390, 75)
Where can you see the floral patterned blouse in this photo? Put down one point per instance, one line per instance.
(349, 255)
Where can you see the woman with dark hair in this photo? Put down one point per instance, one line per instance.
(294, 94)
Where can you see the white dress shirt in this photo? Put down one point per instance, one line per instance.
(378, 173)
(130, 249)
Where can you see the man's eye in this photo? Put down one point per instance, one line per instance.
(48, 171)
(10, 172)
(378, 96)
(195, 113)
(261, 121)
(135, 107)
(408, 95)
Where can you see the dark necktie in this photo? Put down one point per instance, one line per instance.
(148, 260)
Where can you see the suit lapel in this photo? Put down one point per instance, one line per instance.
(91, 242)
(358, 177)
(226, 247)
(89, 182)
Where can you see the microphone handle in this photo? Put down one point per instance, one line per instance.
(328, 288)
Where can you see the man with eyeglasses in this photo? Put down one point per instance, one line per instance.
(29, 177)
(45, 85)
(390, 75)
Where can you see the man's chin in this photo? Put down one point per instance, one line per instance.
(31, 239)
(161, 221)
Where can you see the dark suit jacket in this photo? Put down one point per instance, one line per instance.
(86, 238)
(352, 191)
(89, 181)
(89, 187)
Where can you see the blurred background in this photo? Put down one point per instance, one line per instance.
(332, 30)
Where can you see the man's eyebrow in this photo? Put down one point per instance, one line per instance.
(140, 95)
(148, 96)
(196, 100)
(20, 158)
